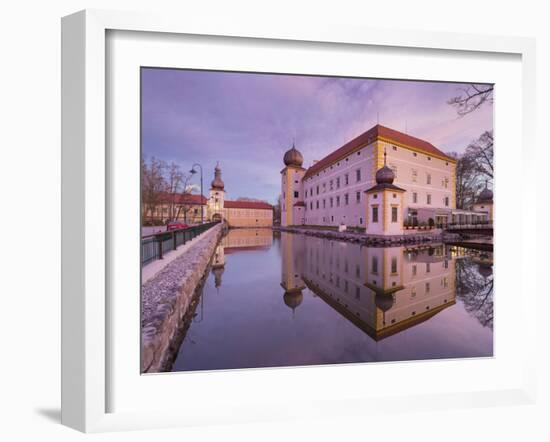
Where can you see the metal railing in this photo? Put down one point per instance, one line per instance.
(155, 246)
(471, 225)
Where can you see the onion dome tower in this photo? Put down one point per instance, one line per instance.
(486, 195)
(484, 203)
(385, 175)
(292, 190)
(385, 202)
(217, 182)
(293, 157)
(216, 202)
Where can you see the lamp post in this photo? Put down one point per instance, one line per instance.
(193, 171)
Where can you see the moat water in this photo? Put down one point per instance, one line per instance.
(280, 299)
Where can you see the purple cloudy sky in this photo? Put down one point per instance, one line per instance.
(248, 121)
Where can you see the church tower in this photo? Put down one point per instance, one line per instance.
(292, 197)
(217, 196)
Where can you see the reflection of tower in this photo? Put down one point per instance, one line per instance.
(384, 278)
(218, 265)
(217, 195)
(293, 299)
(292, 247)
(292, 203)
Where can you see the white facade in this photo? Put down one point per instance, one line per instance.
(334, 194)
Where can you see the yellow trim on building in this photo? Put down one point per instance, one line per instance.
(416, 149)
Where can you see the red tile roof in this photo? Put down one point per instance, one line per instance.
(246, 205)
(183, 198)
(370, 136)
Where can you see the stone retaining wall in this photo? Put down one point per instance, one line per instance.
(166, 297)
(435, 235)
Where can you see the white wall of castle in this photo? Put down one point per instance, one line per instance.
(429, 183)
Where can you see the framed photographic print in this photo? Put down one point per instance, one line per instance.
(256, 217)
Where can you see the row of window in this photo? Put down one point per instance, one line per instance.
(429, 199)
(394, 147)
(335, 183)
(336, 201)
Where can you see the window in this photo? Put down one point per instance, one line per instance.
(346, 179)
(317, 204)
(360, 220)
(428, 199)
(394, 214)
(414, 175)
(332, 218)
(317, 190)
(447, 201)
(331, 202)
(375, 214)
(429, 158)
(394, 147)
(394, 264)
(446, 182)
(414, 269)
(346, 199)
(414, 154)
(324, 187)
(330, 184)
(428, 179)
(357, 197)
(375, 196)
(296, 194)
(415, 197)
(311, 205)
(338, 182)
(358, 175)
(427, 267)
(337, 201)
(427, 287)
(324, 204)
(374, 266)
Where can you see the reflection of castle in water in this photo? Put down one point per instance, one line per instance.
(238, 240)
(381, 290)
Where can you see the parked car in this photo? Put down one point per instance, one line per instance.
(176, 225)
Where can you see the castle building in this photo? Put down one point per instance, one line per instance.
(192, 208)
(236, 213)
(332, 191)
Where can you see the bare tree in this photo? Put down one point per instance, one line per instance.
(472, 98)
(481, 151)
(153, 184)
(185, 203)
(277, 210)
(174, 181)
(475, 289)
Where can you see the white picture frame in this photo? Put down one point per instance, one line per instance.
(85, 202)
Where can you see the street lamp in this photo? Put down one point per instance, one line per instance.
(193, 172)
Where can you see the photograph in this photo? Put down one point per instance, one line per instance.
(294, 220)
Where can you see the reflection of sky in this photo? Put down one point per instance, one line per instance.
(247, 324)
(247, 121)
